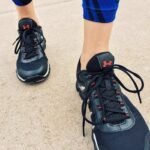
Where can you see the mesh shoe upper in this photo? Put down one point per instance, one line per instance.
(116, 122)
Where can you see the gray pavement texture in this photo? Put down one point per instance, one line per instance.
(47, 116)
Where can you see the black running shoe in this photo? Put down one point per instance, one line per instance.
(117, 124)
(32, 63)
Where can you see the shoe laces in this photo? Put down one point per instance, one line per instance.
(29, 40)
(110, 107)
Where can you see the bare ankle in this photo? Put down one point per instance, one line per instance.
(84, 60)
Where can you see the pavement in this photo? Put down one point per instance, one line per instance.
(47, 116)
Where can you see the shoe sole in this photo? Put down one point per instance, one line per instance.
(35, 79)
(96, 147)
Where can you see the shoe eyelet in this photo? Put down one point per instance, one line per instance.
(127, 115)
(95, 95)
(104, 119)
(118, 92)
(99, 107)
(89, 76)
(122, 104)
(93, 84)
(113, 81)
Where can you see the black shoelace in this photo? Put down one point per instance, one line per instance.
(111, 108)
(30, 41)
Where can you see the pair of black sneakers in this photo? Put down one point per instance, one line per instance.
(116, 123)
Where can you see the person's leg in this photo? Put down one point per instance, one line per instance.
(25, 9)
(116, 123)
(32, 63)
(98, 15)
(96, 40)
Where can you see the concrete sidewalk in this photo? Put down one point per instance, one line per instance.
(47, 116)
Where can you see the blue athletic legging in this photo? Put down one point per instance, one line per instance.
(94, 10)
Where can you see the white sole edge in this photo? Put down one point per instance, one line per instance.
(23, 80)
(95, 141)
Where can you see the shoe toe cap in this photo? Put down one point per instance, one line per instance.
(137, 138)
(33, 70)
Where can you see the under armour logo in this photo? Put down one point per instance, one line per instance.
(107, 63)
(27, 26)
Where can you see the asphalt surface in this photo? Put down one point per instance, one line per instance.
(47, 116)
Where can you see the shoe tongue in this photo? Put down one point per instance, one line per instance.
(26, 24)
(100, 62)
